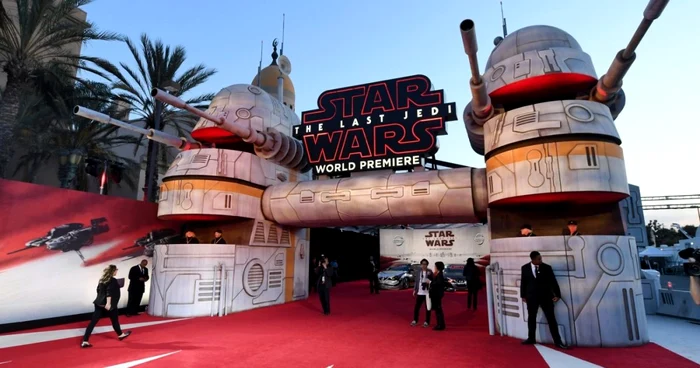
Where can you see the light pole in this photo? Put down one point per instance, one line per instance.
(68, 167)
(151, 182)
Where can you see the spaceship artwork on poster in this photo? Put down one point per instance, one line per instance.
(539, 114)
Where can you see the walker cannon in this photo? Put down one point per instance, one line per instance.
(152, 134)
(480, 109)
(609, 87)
(270, 144)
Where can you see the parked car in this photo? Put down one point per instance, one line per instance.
(455, 277)
(399, 275)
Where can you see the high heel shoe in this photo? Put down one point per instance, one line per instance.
(85, 344)
(124, 335)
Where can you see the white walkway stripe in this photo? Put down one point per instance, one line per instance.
(558, 359)
(8, 341)
(141, 361)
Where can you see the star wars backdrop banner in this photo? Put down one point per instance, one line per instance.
(56, 242)
(451, 246)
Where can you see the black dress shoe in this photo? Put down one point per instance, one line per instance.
(124, 335)
(561, 346)
(528, 342)
(439, 328)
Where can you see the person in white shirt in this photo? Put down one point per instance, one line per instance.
(420, 292)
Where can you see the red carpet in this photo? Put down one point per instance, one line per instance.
(363, 331)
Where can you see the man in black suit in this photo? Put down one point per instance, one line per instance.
(539, 289)
(325, 273)
(218, 238)
(138, 275)
(373, 276)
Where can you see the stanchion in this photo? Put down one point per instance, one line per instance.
(489, 300)
(501, 300)
(213, 292)
(222, 289)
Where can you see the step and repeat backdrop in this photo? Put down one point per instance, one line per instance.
(451, 246)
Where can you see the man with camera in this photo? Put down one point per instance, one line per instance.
(421, 288)
(324, 284)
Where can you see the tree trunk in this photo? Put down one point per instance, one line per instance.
(9, 108)
(30, 172)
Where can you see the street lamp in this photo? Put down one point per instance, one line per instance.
(68, 161)
(151, 182)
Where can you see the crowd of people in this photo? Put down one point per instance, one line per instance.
(538, 288)
(429, 288)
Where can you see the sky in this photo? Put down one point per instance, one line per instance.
(334, 44)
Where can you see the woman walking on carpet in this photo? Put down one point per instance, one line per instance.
(106, 303)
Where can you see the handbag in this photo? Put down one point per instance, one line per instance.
(101, 299)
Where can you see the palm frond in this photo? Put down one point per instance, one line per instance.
(157, 64)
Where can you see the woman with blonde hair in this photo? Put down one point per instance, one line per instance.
(106, 302)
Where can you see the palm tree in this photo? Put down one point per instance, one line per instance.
(51, 134)
(156, 66)
(35, 46)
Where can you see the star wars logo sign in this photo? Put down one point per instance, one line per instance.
(440, 239)
(388, 124)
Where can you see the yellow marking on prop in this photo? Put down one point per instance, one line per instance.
(208, 184)
(563, 148)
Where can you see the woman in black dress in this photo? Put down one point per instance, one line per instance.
(471, 274)
(106, 303)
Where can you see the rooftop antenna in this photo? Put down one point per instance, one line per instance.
(282, 46)
(505, 29)
(260, 64)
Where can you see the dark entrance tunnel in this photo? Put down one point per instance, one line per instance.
(350, 249)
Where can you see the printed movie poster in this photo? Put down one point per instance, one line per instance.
(56, 242)
(450, 246)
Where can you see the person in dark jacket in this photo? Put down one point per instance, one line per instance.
(571, 229)
(437, 291)
(373, 276)
(218, 237)
(325, 274)
(420, 291)
(138, 275)
(539, 289)
(106, 303)
(471, 274)
(191, 238)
